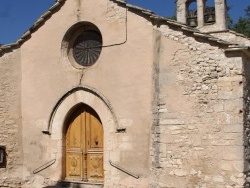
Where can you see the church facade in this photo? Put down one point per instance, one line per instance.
(107, 94)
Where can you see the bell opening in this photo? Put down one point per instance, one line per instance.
(192, 14)
(209, 12)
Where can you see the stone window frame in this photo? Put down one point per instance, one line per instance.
(69, 39)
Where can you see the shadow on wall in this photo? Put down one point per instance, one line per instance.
(3, 157)
(246, 116)
(73, 185)
(65, 185)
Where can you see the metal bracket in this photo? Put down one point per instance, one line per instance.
(46, 132)
(121, 130)
(123, 170)
(46, 165)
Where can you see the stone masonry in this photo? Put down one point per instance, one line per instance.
(197, 141)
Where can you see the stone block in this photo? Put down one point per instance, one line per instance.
(223, 118)
(233, 128)
(218, 107)
(171, 122)
(225, 95)
(226, 165)
(237, 78)
(180, 172)
(167, 138)
(162, 110)
(218, 179)
(165, 180)
(238, 165)
(233, 153)
(233, 105)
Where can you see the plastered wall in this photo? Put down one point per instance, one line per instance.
(122, 74)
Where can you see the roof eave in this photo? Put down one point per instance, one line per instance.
(144, 12)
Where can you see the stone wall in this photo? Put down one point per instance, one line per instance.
(197, 141)
(232, 37)
(10, 126)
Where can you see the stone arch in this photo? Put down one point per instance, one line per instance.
(76, 95)
(61, 111)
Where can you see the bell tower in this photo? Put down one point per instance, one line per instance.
(207, 15)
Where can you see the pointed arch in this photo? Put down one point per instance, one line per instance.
(74, 96)
(59, 119)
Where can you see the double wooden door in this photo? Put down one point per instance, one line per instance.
(84, 146)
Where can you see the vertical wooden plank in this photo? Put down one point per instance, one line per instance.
(95, 152)
(88, 130)
(96, 137)
(83, 132)
(73, 149)
(75, 133)
(67, 152)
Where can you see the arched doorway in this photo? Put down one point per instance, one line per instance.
(84, 145)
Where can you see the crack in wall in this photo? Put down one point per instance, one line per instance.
(78, 12)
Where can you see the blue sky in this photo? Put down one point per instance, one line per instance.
(17, 16)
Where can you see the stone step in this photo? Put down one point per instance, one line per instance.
(65, 184)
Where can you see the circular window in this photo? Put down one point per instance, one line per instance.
(82, 45)
(87, 48)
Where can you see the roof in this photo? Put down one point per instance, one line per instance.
(143, 12)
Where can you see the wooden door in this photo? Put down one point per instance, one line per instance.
(84, 146)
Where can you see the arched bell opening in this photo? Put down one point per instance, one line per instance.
(209, 12)
(83, 145)
(191, 6)
(202, 14)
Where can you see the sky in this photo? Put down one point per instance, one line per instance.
(17, 16)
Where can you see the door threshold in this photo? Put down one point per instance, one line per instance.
(76, 184)
(82, 182)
